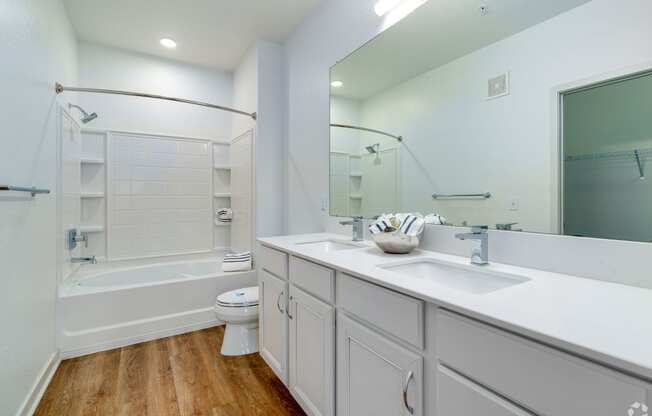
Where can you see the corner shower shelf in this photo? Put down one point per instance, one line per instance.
(355, 196)
(92, 161)
(222, 167)
(223, 195)
(91, 228)
(355, 174)
(89, 195)
(223, 224)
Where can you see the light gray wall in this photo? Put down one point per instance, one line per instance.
(107, 67)
(38, 48)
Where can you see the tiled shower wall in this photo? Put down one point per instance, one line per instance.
(160, 196)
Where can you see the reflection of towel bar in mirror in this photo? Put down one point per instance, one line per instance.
(637, 154)
(486, 195)
(347, 126)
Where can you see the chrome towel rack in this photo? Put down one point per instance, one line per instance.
(485, 195)
(33, 190)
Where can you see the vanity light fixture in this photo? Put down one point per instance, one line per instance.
(336, 84)
(382, 7)
(168, 43)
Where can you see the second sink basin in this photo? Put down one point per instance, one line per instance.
(470, 279)
(330, 245)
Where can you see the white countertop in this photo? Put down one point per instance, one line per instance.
(607, 322)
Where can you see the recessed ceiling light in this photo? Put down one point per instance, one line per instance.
(383, 6)
(336, 84)
(168, 43)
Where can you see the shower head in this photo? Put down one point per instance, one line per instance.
(87, 118)
(373, 149)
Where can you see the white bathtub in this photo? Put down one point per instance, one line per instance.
(112, 305)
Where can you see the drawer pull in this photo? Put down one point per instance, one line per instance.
(406, 386)
(278, 302)
(288, 309)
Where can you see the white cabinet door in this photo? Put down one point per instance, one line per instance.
(312, 353)
(375, 376)
(274, 323)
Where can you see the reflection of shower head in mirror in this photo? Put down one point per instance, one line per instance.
(373, 149)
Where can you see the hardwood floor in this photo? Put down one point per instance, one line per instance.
(181, 375)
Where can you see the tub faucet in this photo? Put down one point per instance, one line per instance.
(479, 255)
(358, 228)
(85, 260)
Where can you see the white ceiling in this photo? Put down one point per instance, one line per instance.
(437, 33)
(213, 33)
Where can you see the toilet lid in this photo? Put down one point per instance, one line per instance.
(247, 296)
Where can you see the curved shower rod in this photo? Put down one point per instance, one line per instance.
(347, 126)
(60, 88)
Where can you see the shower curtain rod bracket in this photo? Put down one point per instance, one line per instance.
(59, 88)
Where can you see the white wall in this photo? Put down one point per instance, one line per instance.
(333, 30)
(38, 48)
(106, 67)
(319, 42)
(259, 86)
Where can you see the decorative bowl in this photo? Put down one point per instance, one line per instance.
(396, 242)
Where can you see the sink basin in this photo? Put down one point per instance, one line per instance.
(469, 279)
(329, 246)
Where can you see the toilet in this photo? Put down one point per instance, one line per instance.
(239, 309)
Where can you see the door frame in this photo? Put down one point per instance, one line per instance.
(557, 140)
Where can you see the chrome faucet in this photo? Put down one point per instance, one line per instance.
(479, 255)
(86, 260)
(358, 228)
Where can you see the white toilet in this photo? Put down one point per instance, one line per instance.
(239, 309)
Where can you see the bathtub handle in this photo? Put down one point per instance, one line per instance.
(278, 302)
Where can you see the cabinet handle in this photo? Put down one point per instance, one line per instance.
(278, 302)
(288, 309)
(406, 386)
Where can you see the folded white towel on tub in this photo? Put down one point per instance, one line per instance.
(237, 262)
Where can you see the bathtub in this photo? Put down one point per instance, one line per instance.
(112, 305)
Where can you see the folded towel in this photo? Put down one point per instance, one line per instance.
(224, 214)
(408, 224)
(237, 262)
(435, 219)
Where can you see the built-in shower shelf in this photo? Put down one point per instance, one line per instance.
(91, 195)
(92, 161)
(355, 196)
(355, 174)
(91, 228)
(223, 224)
(223, 195)
(222, 167)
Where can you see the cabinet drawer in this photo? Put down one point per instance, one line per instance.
(274, 261)
(313, 278)
(399, 315)
(458, 396)
(539, 378)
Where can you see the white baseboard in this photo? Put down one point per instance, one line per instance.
(124, 342)
(38, 389)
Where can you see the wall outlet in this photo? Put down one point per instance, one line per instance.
(513, 204)
(324, 204)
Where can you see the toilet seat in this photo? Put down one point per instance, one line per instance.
(239, 298)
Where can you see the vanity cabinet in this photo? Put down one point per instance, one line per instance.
(273, 323)
(375, 376)
(312, 355)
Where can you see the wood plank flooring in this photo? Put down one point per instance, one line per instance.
(181, 375)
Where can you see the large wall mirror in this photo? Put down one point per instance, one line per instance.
(520, 115)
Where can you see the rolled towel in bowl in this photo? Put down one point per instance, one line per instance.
(237, 262)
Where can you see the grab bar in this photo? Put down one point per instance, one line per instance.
(31, 190)
(486, 195)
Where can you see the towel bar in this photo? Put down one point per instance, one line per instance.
(31, 190)
(486, 195)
